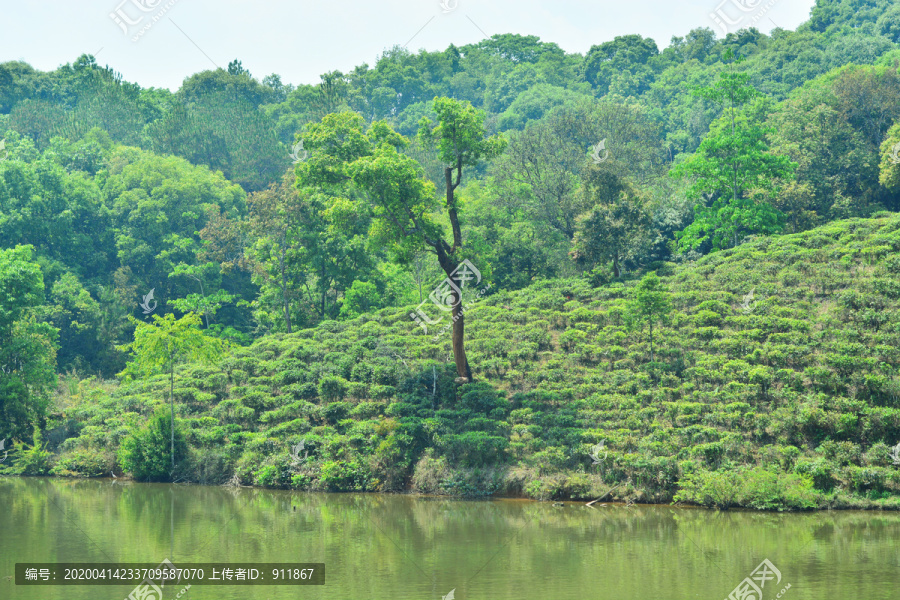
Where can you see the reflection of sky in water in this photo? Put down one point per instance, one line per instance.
(405, 547)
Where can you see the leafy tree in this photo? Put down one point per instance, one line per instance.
(544, 165)
(330, 94)
(831, 15)
(538, 176)
(890, 160)
(534, 103)
(650, 303)
(518, 48)
(698, 44)
(78, 316)
(400, 200)
(207, 303)
(160, 346)
(626, 54)
(235, 83)
(732, 161)
(57, 212)
(517, 247)
(868, 96)
(459, 136)
(888, 24)
(156, 205)
(362, 297)
(618, 219)
(834, 162)
(276, 257)
(27, 347)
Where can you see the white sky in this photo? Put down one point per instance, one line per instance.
(301, 39)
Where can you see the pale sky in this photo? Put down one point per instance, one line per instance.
(301, 39)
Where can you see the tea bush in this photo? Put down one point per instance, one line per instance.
(786, 401)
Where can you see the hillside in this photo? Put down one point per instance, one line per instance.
(599, 161)
(786, 398)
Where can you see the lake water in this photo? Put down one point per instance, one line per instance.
(408, 547)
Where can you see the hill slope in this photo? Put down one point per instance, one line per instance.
(788, 399)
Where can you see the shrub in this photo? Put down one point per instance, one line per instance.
(708, 318)
(475, 448)
(714, 489)
(382, 392)
(429, 475)
(754, 488)
(146, 451)
(336, 412)
(209, 466)
(302, 391)
(344, 476)
(357, 390)
(32, 460)
(85, 462)
(332, 388)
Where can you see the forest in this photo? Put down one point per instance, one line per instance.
(642, 273)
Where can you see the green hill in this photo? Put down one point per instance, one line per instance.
(786, 398)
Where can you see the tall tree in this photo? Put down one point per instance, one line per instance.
(618, 219)
(160, 346)
(276, 257)
(650, 303)
(833, 160)
(402, 202)
(732, 161)
(27, 347)
(626, 55)
(459, 136)
(890, 161)
(868, 96)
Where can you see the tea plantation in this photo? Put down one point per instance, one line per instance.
(784, 398)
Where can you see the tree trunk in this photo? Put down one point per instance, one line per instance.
(284, 300)
(445, 259)
(287, 315)
(322, 279)
(172, 406)
(651, 339)
(459, 349)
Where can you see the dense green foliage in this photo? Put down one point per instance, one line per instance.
(783, 398)
(27, 354)
(302, 227)
(145, 451)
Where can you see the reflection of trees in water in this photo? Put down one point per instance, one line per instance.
(424, 543)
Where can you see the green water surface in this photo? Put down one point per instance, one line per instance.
(409, 547)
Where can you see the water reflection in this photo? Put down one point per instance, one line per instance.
(405, 547)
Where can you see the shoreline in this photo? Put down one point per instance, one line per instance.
(839, 502)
